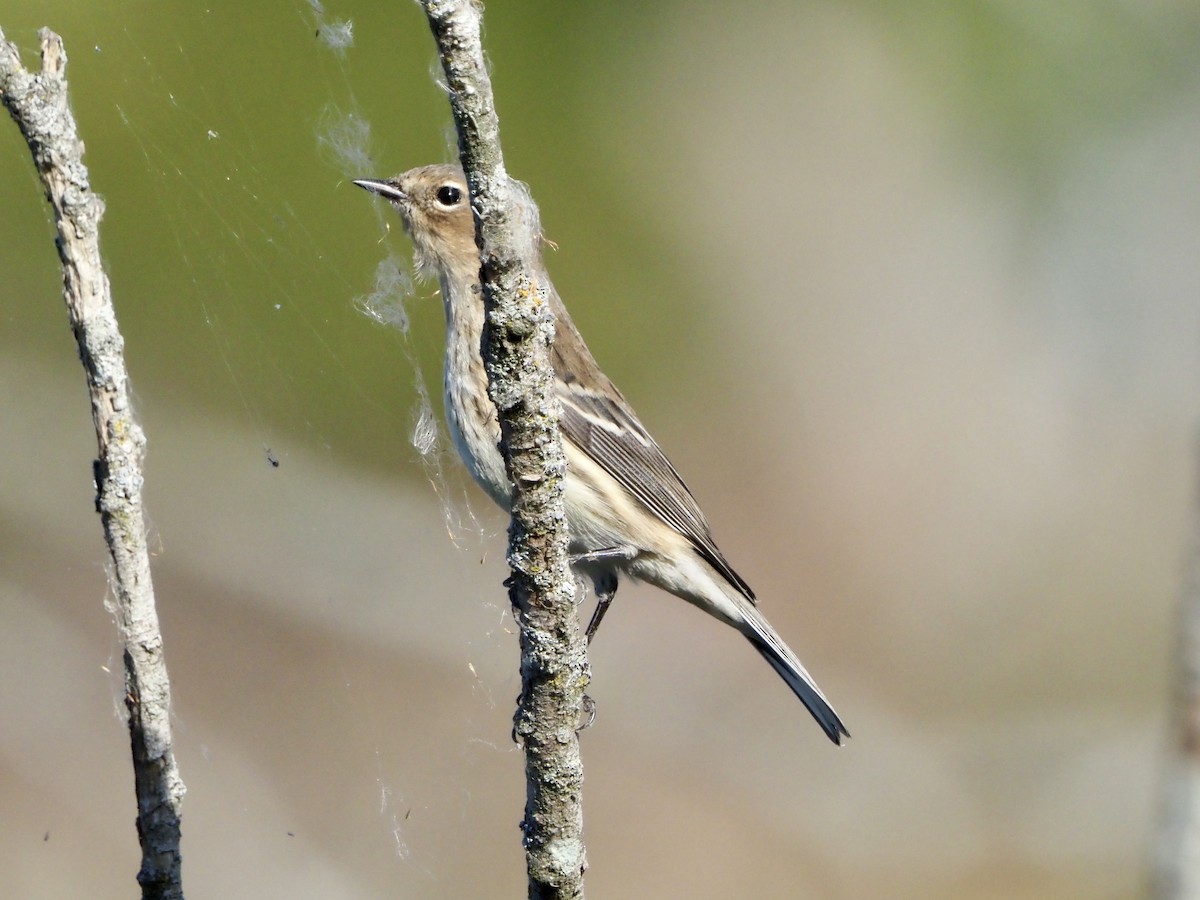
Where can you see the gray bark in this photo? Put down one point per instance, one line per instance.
(38, 104)
(517, 340)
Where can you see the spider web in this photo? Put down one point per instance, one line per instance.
(278, 314)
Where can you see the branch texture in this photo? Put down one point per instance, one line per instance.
(38, 104)
(517, 340)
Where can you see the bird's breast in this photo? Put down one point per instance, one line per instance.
(470, 414)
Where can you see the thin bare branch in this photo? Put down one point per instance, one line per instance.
(517, 341)
(1176, 871)
(39, 105)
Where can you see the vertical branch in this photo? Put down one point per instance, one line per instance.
(517, 339)
(38, 104)
(1176, 872)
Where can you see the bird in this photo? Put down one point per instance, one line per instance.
(628, 510)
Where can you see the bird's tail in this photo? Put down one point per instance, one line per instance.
(764, 638)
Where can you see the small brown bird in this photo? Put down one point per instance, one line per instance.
(628, 510)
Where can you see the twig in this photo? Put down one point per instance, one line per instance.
(38, 104)
(517, 340)
(1176, 870)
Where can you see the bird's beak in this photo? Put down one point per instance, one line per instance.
(384, 189)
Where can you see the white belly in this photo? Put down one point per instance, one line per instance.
(476, 437)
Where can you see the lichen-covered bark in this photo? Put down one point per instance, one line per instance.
(517, 340)
(39, 105)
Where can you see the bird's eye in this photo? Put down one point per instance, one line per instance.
(449, 195)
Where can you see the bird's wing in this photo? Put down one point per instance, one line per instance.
(598, 420)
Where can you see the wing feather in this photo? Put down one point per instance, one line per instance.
(598, 420)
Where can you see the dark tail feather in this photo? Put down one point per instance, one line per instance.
(760, 633)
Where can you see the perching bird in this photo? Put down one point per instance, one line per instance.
(628, 510)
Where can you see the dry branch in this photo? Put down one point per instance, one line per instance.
(39, 105)
(517, 340)
(1176, 870)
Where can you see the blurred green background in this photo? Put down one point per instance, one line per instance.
(907, 291)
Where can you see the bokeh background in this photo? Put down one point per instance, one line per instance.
(909, 294)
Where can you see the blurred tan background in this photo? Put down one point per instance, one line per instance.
(910, 298)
